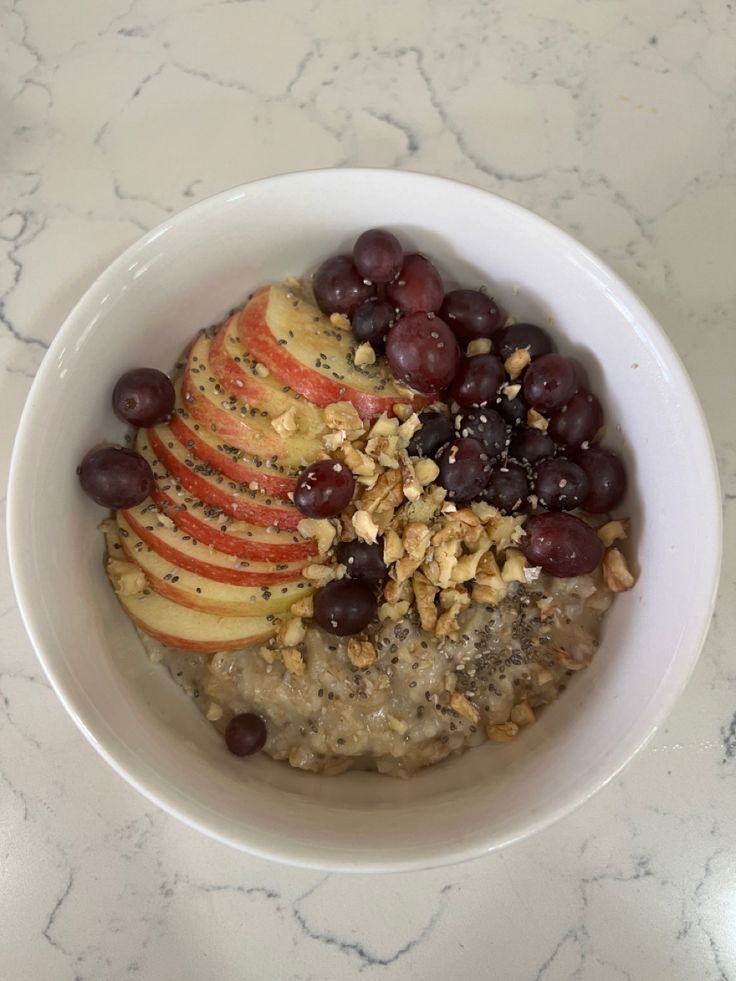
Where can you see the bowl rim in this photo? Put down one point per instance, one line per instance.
(164, 796)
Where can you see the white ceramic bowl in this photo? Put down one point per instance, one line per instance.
(187, 274)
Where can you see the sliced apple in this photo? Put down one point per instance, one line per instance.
(292, 338)
(176, 547)
(201, 593)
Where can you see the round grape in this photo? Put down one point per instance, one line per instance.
(422, 352)
(245, 734)
(143, 397)
(549, 382)
(487, 426)
(363, 560)
(516, 336)
(372, 321)
(577, 421)
(324, 489)
(478, 380)
(561, 485)
(464, 469)
(513, 410)
(115, 477)
(418, 287)
(436, 431)
(378, 255)
(339, 287)
(531, 445)
(607, 479)
(470, 314)
(561, 544)
(507, 488)
(345, 607)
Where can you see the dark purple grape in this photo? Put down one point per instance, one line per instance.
(324, 489)
(339, 287)
(561, 485)
(513, 410)
(422, 352)
(549, 382)
(516, 336)
(372, 322)
(418, 288)
(378, 255)
(577, 421)
(245, 734)
(531, 445)
(478, 380)
(470, 314)
(143, 397)
(436, 431)
(561, 544)
(487, 426)
(345, 607)
(363, 560)
(607, 479)
(464, 469)
(115, 477)
(507, 488)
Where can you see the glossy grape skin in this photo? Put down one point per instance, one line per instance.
(487, 426)
(363, 560)
(464, 469)
(478, 380)
(417, 288)
(324, 489)
(549, 382)
(470, 314)
(245, 734)
(339, 287)
(561, 544)
(143, 397)
(561, 485)
(606, 476)
(507, 488)
(422, 352)
(531, 445)
(345, 607)
(372, 321)
(115, 477)
(513, 410)
(516, 336)
(577, 421)
(378, 255)
(436, 431)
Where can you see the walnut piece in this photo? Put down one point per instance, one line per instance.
(342, 415)
(320, 575)
(321, 530)
(291, 632)
(426, 471)
(424, 594)
(303, 607)
(460, 704)
(293, 661)
(514, 567)
(522, 714)
(386, 494)
(535, 420)
(340, 321)
(481, 345)
(393, 611)
(286, 424)
(127, 578)
(395, 592)
(359, 463)
(502, 732)
(616, 572)
(365, 527)
(364, 354)
(516, 362)
(361, 652)
(613, 531)
(393, 547)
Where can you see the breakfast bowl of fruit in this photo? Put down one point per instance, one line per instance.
(364, 520)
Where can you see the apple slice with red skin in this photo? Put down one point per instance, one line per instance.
(301, 347)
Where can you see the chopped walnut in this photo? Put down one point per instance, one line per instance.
(384, 449)
(424, 594)
(286, 424)
(395, 592)
(214, 712)
(425, 509)
(402, 410)
(454, 595)
(459, 526)
(481, 345)
(409, 482)
(440, 567)
(514, 567)
(364, 354)
(386, 494)
(516, 362)
(502, 732)
(303, 607)
(291, 632)
(321, 530)
(293, 661)
(393, 611)
(616, 572)
(393, 547)
(407, 429)
(385, 425)
(269, 654)
(359, 463)
(460, 704)
(320, 575)
(365, 527)
(127, 578)
(447, 623)
(613, 531)
(342, 415)
(416, 543)
(522, 714)
(511, 391)
(535, 420)
(340, 321)
(426, 471)
(261, 370)
(467, 564)
(334, 441)
(361, 652)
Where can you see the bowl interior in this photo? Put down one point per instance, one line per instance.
(188, 274)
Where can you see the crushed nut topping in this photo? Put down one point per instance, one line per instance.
(361, 652)
(617, 575)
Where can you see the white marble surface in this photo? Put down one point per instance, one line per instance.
(614, 118)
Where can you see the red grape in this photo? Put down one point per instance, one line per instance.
(607, 479)
(507, 488)
(436, 431)
(418, 288)
(561, 485)
(372, 322)
(378, 255)
(470, 314)
(324, 489)
(363, 560)
(478, 380)
(345, 606)
(339, 287)
(577, 421)
(515, 336)
(143, 397)
(561, 544)
(464, 469)
(549, 382)
(487, 426)
(422, 352)
(531, 446)
(115, 477)
(245, 734)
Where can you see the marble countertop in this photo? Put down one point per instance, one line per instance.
(616, 119)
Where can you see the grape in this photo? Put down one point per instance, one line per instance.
(470, 314)
(561, 544)
(436, 430)
(372, 322)
(143, 397)
(323, 489)
(515, 336)
(418, 288)
(378, 255)
(464, 469)
(115, 477)
(478, 380)
(339, 287)
(507, 488)
(422, 352)
(245, 734)
(363, 560)
(531, 445)
(487, 426)
(577, 421)
(549, 382)
(607, 479)
(513, 410)
(561, 485)
(345, 606)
